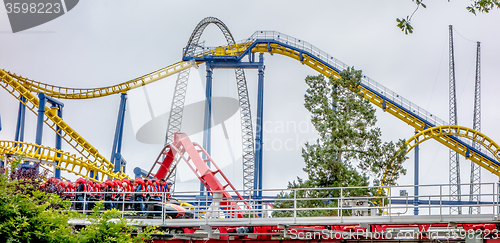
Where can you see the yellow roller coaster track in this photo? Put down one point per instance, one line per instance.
(76, 93)
(46, 169)
(22, 87)
(320, 67)
(386, 105)
(50, 156)
(442, 133)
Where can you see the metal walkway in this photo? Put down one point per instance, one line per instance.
(342, 205)
(347, 218)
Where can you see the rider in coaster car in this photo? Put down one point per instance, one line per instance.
(139, 193)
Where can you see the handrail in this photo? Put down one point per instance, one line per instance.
(434, 200)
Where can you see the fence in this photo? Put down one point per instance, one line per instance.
(343, 203)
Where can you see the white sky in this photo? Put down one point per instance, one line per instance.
(101, 43)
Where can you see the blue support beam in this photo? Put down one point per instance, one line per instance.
(57, 172)
(140, 173)
(20, 121)
(123, 162)
(438, 202)
(259, 132)
(40, 117)
(116, 156)
(207, 124)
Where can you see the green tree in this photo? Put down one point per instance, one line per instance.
(477, 6)
(349, 150)
(30, 215)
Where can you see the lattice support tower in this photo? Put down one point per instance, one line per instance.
(246, 133)
(475, 170)
(176, 111)
(455, 190)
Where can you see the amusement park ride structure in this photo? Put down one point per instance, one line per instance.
(241, 55)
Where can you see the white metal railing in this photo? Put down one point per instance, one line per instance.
(342, 203)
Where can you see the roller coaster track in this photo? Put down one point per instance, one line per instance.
(21, 87)
(278, 43)
(76, 93)
(50, 156)
(261, 42)
(45, 168)
(199, 161)
(442, 135)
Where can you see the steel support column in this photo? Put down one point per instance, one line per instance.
(207, 136)
(20, 120)
(116, 156)
(455, 189)
(57, 171)
(43, 99)
(475, 170)
(40, 117)
(259, 132)
(415, 209)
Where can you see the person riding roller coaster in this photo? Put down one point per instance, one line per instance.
(140, 195)
(81, 187)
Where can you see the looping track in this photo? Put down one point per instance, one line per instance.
(442, 133)
(262, 42)
(445, 135)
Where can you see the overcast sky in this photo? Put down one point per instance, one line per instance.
(101, 43)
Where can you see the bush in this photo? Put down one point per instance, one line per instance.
(28, 214)
(109, 226)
